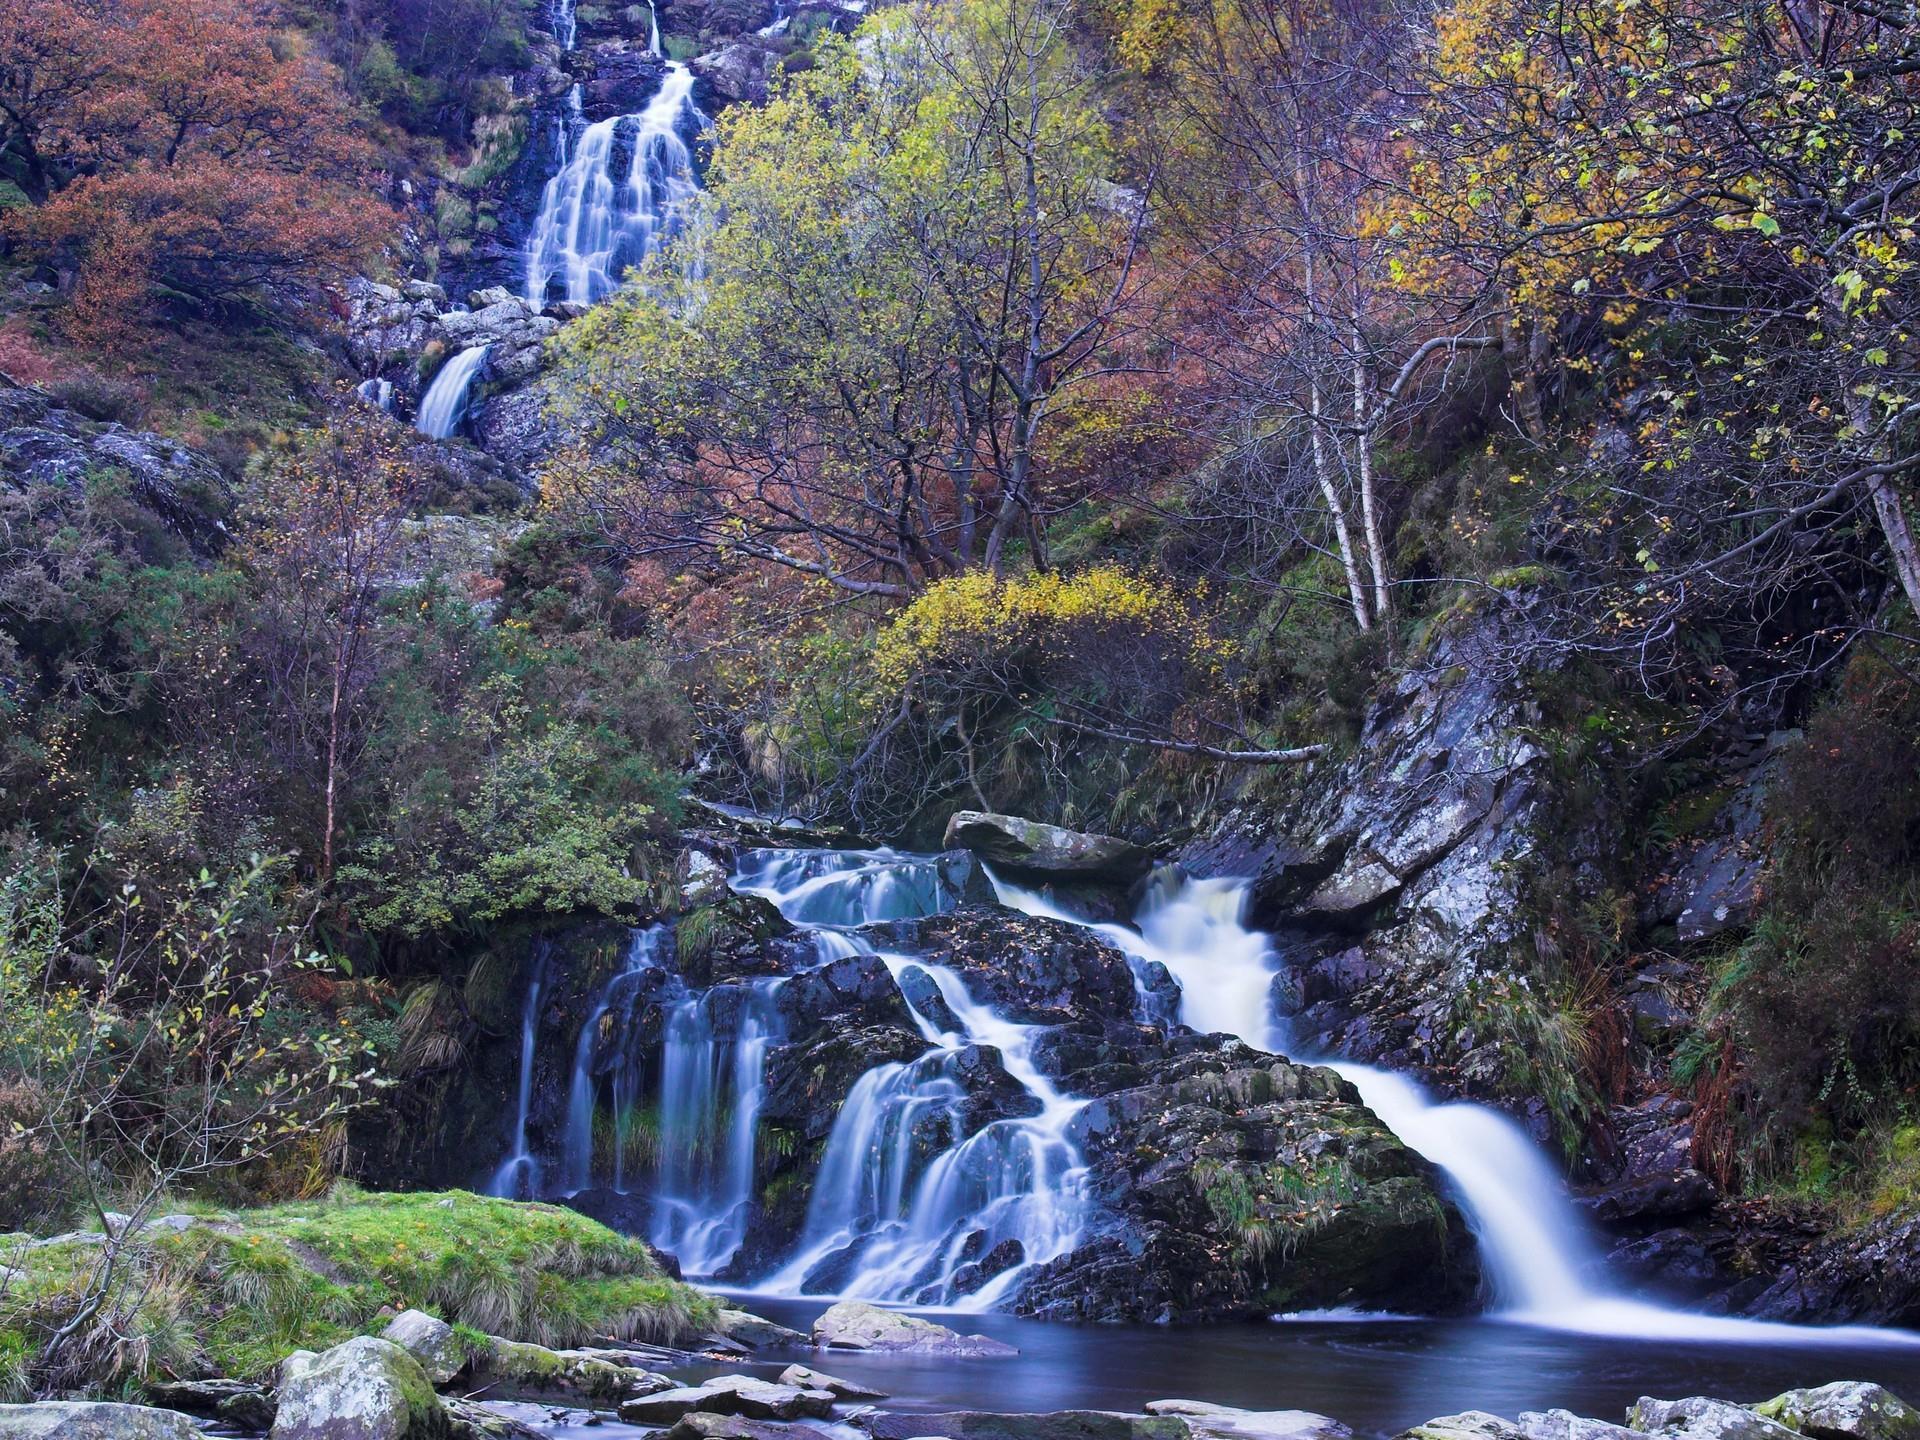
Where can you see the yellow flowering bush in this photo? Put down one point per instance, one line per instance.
(979, 618)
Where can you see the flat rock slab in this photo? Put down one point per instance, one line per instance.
(730, 1395)
(1231, 1423)
(856, 1325)
(810, 1379)
(94, 1420)
(241, 1405)
(1051, 1425)
(1467, 1425)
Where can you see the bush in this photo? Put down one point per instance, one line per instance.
(93, 395)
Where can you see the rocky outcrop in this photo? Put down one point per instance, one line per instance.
(1870, 1275)
(856, 1325)
(43, 445)
(237, 1403)
(1029, 848)
(1701, 1418)
(364, 1389)
(93, 1420)
(1844, 1410)
(1243, 1184)
(737, 73)
(526, 1370)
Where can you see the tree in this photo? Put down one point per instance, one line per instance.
(216, 157)
(147, 1036)
(915, 265)
(322, 553)
(1279, 113)
(54, 56)
(1725, 195)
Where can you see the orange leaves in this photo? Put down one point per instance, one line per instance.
(217, 157)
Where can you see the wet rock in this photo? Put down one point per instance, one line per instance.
(1029, 969)
(1676, 1258)
(1870, 1275)
(515, 427)
(1565, 1425)
(758, 1333)
(1225, 1143)
(516, 1368)
(856, 1325)
(1701, 1418)
(729, 1395)
(1027, 847)
(1055, 1425)
(1467, 1425)
(429, 1340)
(473, 1420)
(700, 1426)
(238, 1403)
(1650, 1197)
(810, 1379)
(364, 1389)
(1224, 1422)
(1845, 1410)
(93, 1420)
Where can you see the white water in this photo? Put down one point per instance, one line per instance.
(518, 1177)
(905, 1201)
(444, 405)
(645, 952)
(1538, 1254)
(712, 1081)
(376, 392)
(620, 190)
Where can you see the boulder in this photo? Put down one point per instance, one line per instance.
(430, 1341)
(810, 1379)
(520, 1369)
(1869, 1275)
(1052, 1425)
(93, 1420)
(238, 1403)
(1467, 1425)
(1701, 1418)
(1565, 1425)
(702, 1426)
(856, 1325)
(364, 1389)
(729, 1395)
(1845, 1410)
(756, 1332)
(1225, 1422)
(1027, 847)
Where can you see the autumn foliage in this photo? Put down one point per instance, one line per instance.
(186, 148)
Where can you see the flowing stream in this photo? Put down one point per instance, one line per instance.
(1542, 1266)
(621, 186)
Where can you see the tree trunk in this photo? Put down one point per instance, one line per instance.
(1363, 448)
(1892, 514)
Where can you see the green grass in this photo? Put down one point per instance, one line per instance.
(233, 1296)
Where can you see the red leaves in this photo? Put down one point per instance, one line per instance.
(214, 156)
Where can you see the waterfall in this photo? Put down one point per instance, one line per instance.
(907, 1206)
(1538, 1254)
(518, 1177)
(644, 953)
(376, 392)
(444, 405)
(621, 190)
(712, 1077)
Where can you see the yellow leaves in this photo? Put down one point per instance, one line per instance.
(975, 615)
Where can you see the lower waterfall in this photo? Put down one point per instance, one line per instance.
(444, 405)
(1542, 1266)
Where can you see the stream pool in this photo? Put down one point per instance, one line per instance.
(1379, 1376)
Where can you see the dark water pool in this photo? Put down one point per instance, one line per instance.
(1379, 1376)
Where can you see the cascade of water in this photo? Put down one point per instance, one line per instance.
(444, 405)
(712, 1077)
(376, 392)
(624, 187)
(616, 999)
(907, 1204)
(518, 1177)
(1538, 1254)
